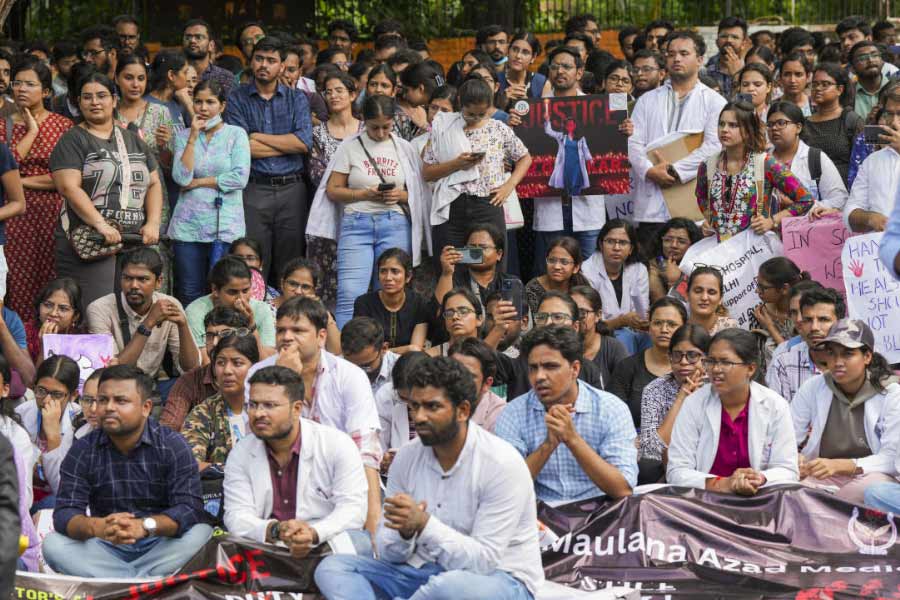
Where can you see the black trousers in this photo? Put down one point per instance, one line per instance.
(276, 218)
(465, 212)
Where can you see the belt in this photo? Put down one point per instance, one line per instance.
(275, 179)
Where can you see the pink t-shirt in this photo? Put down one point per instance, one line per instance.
(733, 452)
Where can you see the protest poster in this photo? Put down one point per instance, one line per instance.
(588, 125)
(873, 295)
(90, 351)
(788, 541)
(815, 246)
(739, 258)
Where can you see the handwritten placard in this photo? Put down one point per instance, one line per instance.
(815, 246)
(739, 259)
(91, 352)
(872, 293)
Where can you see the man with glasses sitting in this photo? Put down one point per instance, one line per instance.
(362, 343)
(577, 440)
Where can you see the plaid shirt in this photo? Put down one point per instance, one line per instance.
(224, 77)
(285, 112)
(601, 419)
(158, 477)
(725, 80)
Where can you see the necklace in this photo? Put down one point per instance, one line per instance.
(730, 184)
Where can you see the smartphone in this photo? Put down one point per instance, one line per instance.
(384, 187)
(744, 98)
(477, 155)
(513, 291)
(871, 133)
(471, 255)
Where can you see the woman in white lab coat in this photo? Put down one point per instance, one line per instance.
(732, 435)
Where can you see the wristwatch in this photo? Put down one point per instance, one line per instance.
(150, 525)
(142, 329)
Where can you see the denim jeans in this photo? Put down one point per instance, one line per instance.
(344, 577)
(149, 557)
(364, 236)
(587, 240)
(884, 496)
(193, 260)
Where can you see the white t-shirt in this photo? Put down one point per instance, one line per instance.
(351, 160)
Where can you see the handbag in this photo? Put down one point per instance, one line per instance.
(85, 240)
(404, 206)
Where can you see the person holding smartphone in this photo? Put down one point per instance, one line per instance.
(377, 202)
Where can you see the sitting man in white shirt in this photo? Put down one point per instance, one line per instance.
(316, 489)
(875, 187)
(362, 343)
(460, 514)
(336, 392)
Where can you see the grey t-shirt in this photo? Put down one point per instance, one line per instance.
(351, 160)
(101, 174)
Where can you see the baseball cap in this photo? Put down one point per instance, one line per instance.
(851, 333)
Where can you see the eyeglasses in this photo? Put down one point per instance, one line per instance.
(462, 312)
(779, 124)
(562, 66)
(247, 258)
(42, 392)
(644, 70)
(265, 406)
(226, 333)
(290, 284)
(371, 366)
(92, 53)
(564, 262)
(584, 312)
(614, 79)
(85, 399)
(690, 356)
(872, 56)
(338, 91)
(676, 241)
(101, 97)
(821, 85)
(706, 266)
(711, 364)
(60, 308)
(616, 243)
(31, 85)
(556, 318)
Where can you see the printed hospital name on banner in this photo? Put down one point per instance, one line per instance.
(872, 293)
(575, 146)
(787, 542)
(739, 259)
(815, 246)
(91, 352)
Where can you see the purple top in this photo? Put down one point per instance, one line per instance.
(734, 451)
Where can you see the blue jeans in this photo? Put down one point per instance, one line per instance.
(149, 557)
(884, 496)
(193, 260)
(587, 240)
(364, 236)
(345, 577)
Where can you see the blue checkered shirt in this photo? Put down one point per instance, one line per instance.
(158, 477)
(285, 112)
(726, 81)
(601, 419)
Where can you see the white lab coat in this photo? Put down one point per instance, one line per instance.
(635, 287)
(876, 184)
(700, 112)
(831, 190)
(325, 215)
(810, 408)
(52, 460)
(695, 439)
(332, 491)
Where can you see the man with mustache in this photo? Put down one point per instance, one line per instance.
(562, 412)
(494, 40)
(156, 323)
(459, 510)
(139, 483)
(337, 392)
(731, 41)
(196, 41)
(315, 490)
(279, 124)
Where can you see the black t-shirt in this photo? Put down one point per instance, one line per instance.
(617, 287)
(398, 326)
(101, 174)
(628, 382)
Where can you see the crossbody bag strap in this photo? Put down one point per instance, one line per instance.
(124, 161)
(124, 326)
(372, 160)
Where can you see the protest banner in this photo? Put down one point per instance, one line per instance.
(815, 246)
(873, 295)
(590, 124)
(739, 258)
(90, 351)
(788, 541)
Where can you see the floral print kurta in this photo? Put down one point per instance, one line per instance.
(730, 213)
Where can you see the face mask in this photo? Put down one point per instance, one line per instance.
(212, 122)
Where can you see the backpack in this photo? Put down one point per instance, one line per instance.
(814, 160)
